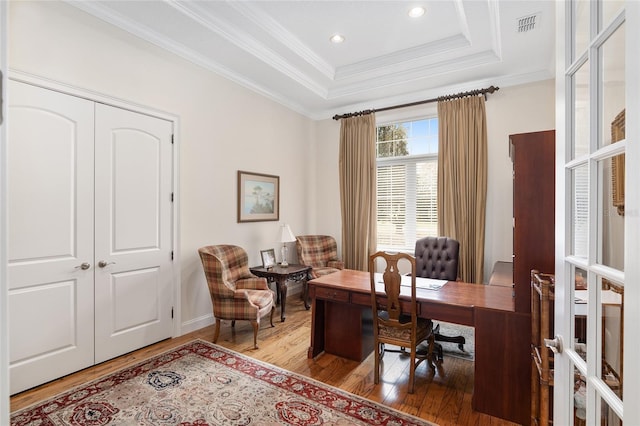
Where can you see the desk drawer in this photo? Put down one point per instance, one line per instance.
(365, 300)
(444, 312)
(361, 299)
(332, 294)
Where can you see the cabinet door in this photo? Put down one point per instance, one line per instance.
(133, 231)
(533, 210)
(50, 218)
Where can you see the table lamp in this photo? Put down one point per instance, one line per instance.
(286, 236)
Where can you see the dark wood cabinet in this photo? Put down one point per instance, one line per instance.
(533, 156)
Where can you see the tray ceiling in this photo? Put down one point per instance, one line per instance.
(281, 49)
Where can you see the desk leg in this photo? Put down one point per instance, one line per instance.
(282, 294)
(305, 292)
(317, 326)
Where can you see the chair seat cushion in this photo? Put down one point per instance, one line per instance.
(260, 298)
(424, 327)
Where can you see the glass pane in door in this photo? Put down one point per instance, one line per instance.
(581, 35)
(613, 88)
(612, 301)
(607, 416)
(580, 312)
(580, 210)
(610, 9)
(611, 223)
(579, 398)
(581, 109)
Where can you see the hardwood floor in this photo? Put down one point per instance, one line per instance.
(443, 398)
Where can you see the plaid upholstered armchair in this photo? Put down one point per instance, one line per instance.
(236, 293)
(320, 252)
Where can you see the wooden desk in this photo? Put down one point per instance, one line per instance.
(341, 324)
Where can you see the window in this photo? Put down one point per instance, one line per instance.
(407, 183)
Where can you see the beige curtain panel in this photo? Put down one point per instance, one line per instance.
(358, 190)
(462, 180)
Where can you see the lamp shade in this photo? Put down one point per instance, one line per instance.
(286, 236)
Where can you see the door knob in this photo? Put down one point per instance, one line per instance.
(554, 344)
(104, 263)
(83, 266)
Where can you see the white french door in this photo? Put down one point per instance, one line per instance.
(133, 216)
(50, 239)
(89, 244)
(597, 273)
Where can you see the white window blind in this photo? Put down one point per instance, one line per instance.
(407, 183)
(580, 210)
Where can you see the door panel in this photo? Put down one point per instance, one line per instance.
(135, 300)
(48, 336)
(135, 190)
(133, 231)
(50, 215)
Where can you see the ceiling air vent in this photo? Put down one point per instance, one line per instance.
(528, 23)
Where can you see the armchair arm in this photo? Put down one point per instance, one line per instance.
(338, 264)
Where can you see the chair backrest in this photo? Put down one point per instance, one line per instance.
(392, 280)
(316, 250)
(437, 257)
(223, 265)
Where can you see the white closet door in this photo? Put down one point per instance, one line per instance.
(50, 239)
(132, 231)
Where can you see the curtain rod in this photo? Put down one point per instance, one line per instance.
(477, 92)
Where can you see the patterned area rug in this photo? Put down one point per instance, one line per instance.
(202, 384)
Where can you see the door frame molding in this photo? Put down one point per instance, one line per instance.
(4, 286)
(50, 84)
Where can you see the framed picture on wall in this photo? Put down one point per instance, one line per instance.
(258, 197)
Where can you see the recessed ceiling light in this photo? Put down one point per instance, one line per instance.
(337, 38)
(416, 12)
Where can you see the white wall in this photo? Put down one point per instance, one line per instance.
(511, 110)
(223, 128)
(517, 109)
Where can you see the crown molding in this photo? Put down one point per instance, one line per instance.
(494, 26)
(382, 102)
(138, 30)
(414, 74)
(286, 38)
(248, 44)
(462, 18)
(413, 54)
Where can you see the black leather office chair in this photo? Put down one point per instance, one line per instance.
(437, 258)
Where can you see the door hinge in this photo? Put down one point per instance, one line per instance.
(172, 197)
(171, 139)
(171, 254)
(172, 312)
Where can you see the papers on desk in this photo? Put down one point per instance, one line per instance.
(423, 283)
(607, 298)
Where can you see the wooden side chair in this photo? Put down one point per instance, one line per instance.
(236, 294)
(395, 321)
